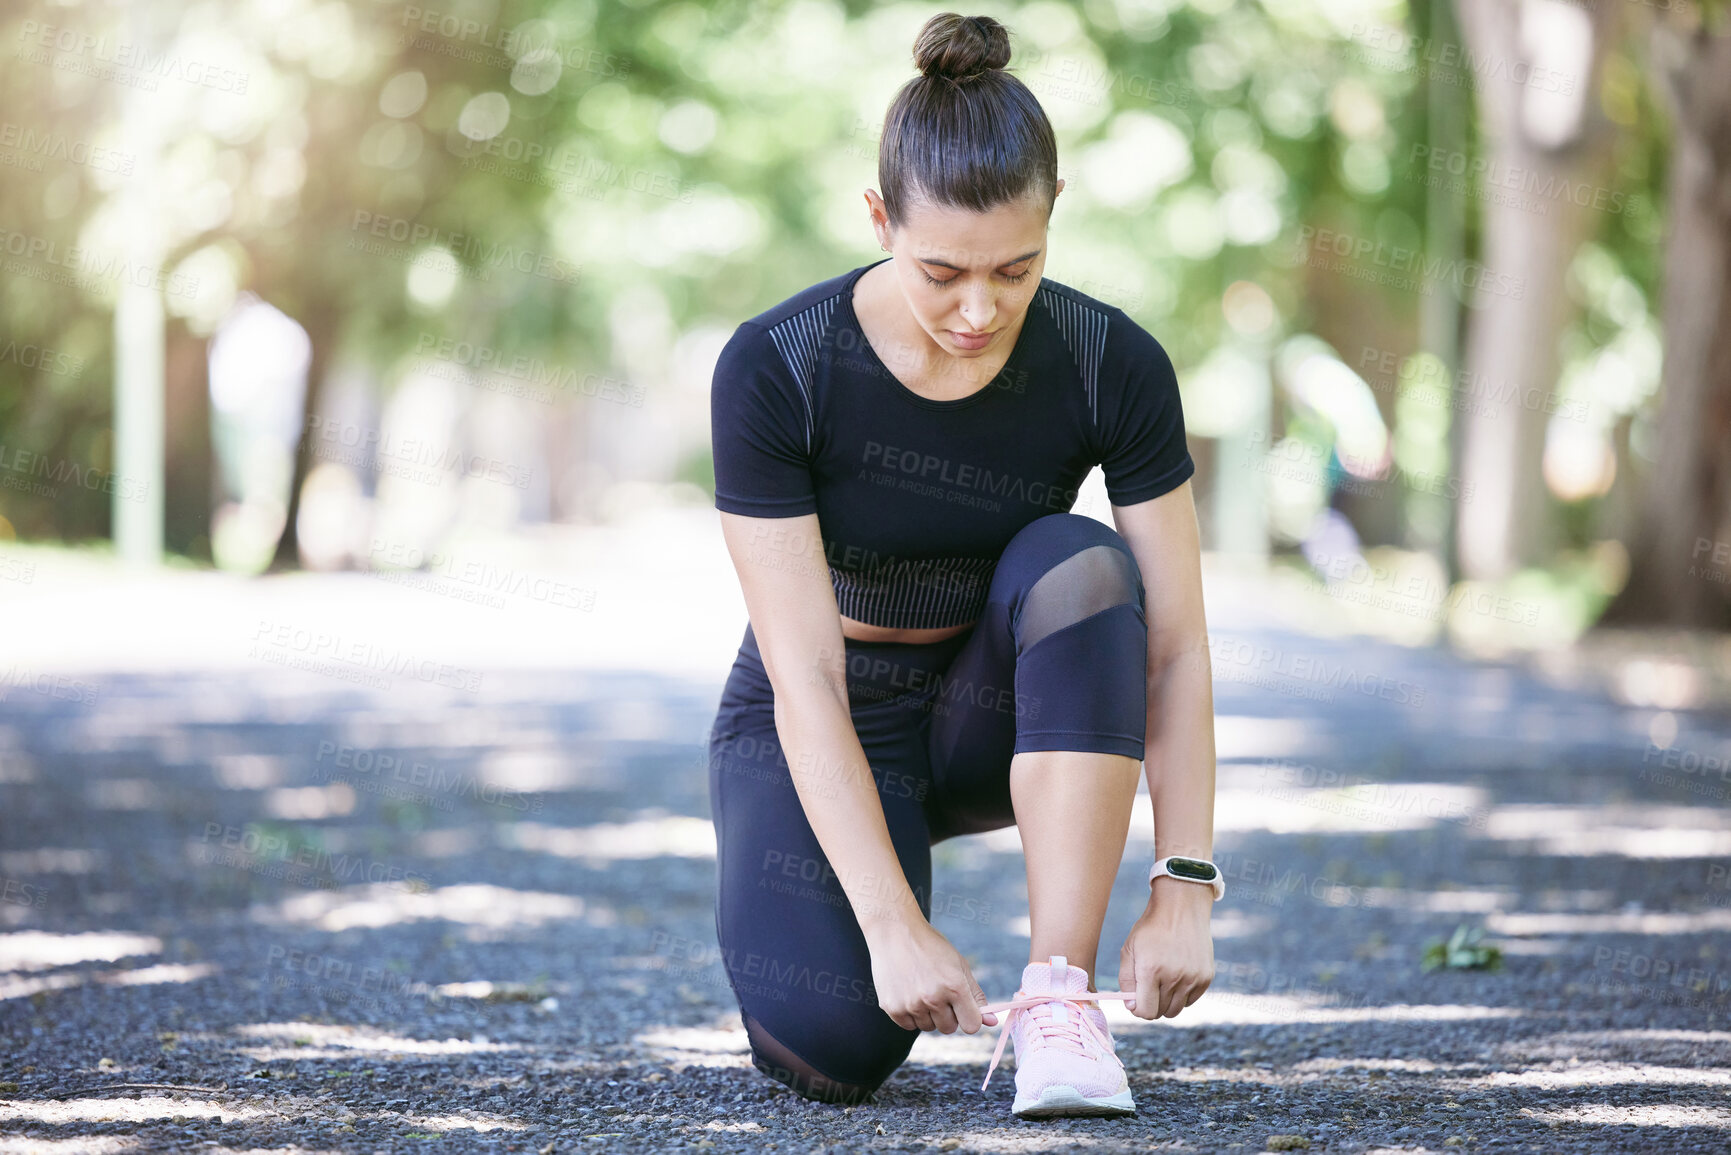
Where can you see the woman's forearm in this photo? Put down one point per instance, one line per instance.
(841, 802)
(1179, 755)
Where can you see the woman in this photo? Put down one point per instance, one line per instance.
(936, 646)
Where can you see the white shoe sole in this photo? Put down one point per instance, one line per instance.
(1064, 1100)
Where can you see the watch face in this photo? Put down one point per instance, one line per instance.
(1192, 868)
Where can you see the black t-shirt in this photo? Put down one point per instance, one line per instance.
(916, 498)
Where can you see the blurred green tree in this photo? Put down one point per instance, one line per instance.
(539, 178)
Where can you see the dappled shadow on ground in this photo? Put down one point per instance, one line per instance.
(279, 911)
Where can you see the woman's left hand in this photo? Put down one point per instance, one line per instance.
(1170, 952)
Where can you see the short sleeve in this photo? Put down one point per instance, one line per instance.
(1143, 453)
(759, 430)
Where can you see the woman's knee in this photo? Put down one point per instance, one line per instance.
(1067, 527)
(810, 1084)
(1046, 543)
(836, 1061)
(1081, 572)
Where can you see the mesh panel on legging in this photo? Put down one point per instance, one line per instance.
(773, 1059)
(1083, 584)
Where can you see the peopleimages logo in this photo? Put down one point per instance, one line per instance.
(1431, 381)
(779, 975)
(303, 647)
(36, 465)
(360, 762)
(438, 460)
(57, 146)
(466, 245)
(1364, 798)
(42, 256)
(20, 893)
(1485, 67)
(531, 39)
(1314, 669)
(270, 846)
(532, 370)
(120, 56)
(915, 464)
(567, 168)
(60, 686)
(1409, 268)
(1543, 185)
(840, 555)
(29, 356)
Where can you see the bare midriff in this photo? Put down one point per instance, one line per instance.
(862, 632)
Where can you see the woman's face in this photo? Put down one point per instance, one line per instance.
(968, 277)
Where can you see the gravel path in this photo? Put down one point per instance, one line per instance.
(274, 910)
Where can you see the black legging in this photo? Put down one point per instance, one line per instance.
(1057, 661)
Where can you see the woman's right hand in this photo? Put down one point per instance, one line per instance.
(922, 982)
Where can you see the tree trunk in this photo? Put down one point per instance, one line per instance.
(322, 326)
(1511, 347)
(1680, 548)
(189, 468)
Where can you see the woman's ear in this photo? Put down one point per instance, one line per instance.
(879, 215)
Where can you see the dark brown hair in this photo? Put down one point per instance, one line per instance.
(965, 133)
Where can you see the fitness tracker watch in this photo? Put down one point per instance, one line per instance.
(1189, 870)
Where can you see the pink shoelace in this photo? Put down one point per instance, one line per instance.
(1059, 1034)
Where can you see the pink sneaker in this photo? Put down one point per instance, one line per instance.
(1065, 1062)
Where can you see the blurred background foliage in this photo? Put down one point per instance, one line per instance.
(504, 242)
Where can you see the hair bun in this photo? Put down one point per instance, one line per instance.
(961, 47)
